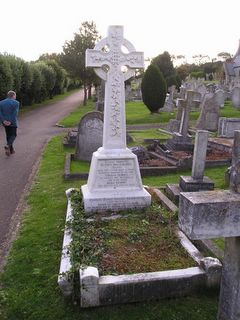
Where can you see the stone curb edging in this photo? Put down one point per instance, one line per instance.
(64, 280)
(145, 171)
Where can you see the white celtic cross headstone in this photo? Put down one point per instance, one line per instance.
(114, 181)
(114, 60)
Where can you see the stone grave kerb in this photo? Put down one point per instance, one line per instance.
(114, 181)
(216, 214)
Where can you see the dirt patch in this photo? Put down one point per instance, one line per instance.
(181, 154)
(143, 246)
(217, 155)
(155, 163)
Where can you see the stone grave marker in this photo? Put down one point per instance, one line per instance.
(181, 140)
(114, 181)
(169, 101)
(209, 115)
(100, 97)
(174, 124)
(227, 126)
(71, 138)
(216, 214)
(235, 96)
(89, 136)
(197, 181)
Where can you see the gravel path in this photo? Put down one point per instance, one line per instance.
(16, 172)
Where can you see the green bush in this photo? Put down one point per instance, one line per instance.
(34, 93)
(6, 77)
(153, 88)
(26, 83)
(60, 76)
(197, 74)
(33, 82)
(48, 80)
(16, 70)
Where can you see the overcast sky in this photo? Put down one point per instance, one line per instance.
(29, 28)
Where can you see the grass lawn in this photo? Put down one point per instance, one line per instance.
(29, 288)
(138, 113)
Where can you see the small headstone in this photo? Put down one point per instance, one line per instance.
(89, 136)
(174, 124)
(169, 101)
(140, 152)
(71, 138)
(235, 167)
(227, 126)
(128, 93)
(100, 97)
(209, 115)
(181, 140)
(236, 97)
(198, 181)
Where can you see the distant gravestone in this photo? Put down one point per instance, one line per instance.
(197, 181)
(128, 93)
(227, 126)
(174, 124)
(169, 101)
(182, 140)
(209, 115)
(236, 97)
(89, 136)
(100, 97)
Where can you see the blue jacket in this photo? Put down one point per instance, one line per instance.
(9, 110)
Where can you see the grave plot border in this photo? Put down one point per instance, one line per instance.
(98, 290)
(145, 171)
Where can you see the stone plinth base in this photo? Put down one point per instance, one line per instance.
(188, 184)
(209, 214)
(114, 182)
(180, 143)
(114, 200)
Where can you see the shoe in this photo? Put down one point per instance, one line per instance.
(12, 151)
(7, 151)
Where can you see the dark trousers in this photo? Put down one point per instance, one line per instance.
(11, 133)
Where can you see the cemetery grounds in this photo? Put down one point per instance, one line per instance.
(29, 287)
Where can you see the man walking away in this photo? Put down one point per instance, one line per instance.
(9, 108)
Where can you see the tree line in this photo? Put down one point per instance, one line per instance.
(55, 73)
(34, 82)
(51, 74)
